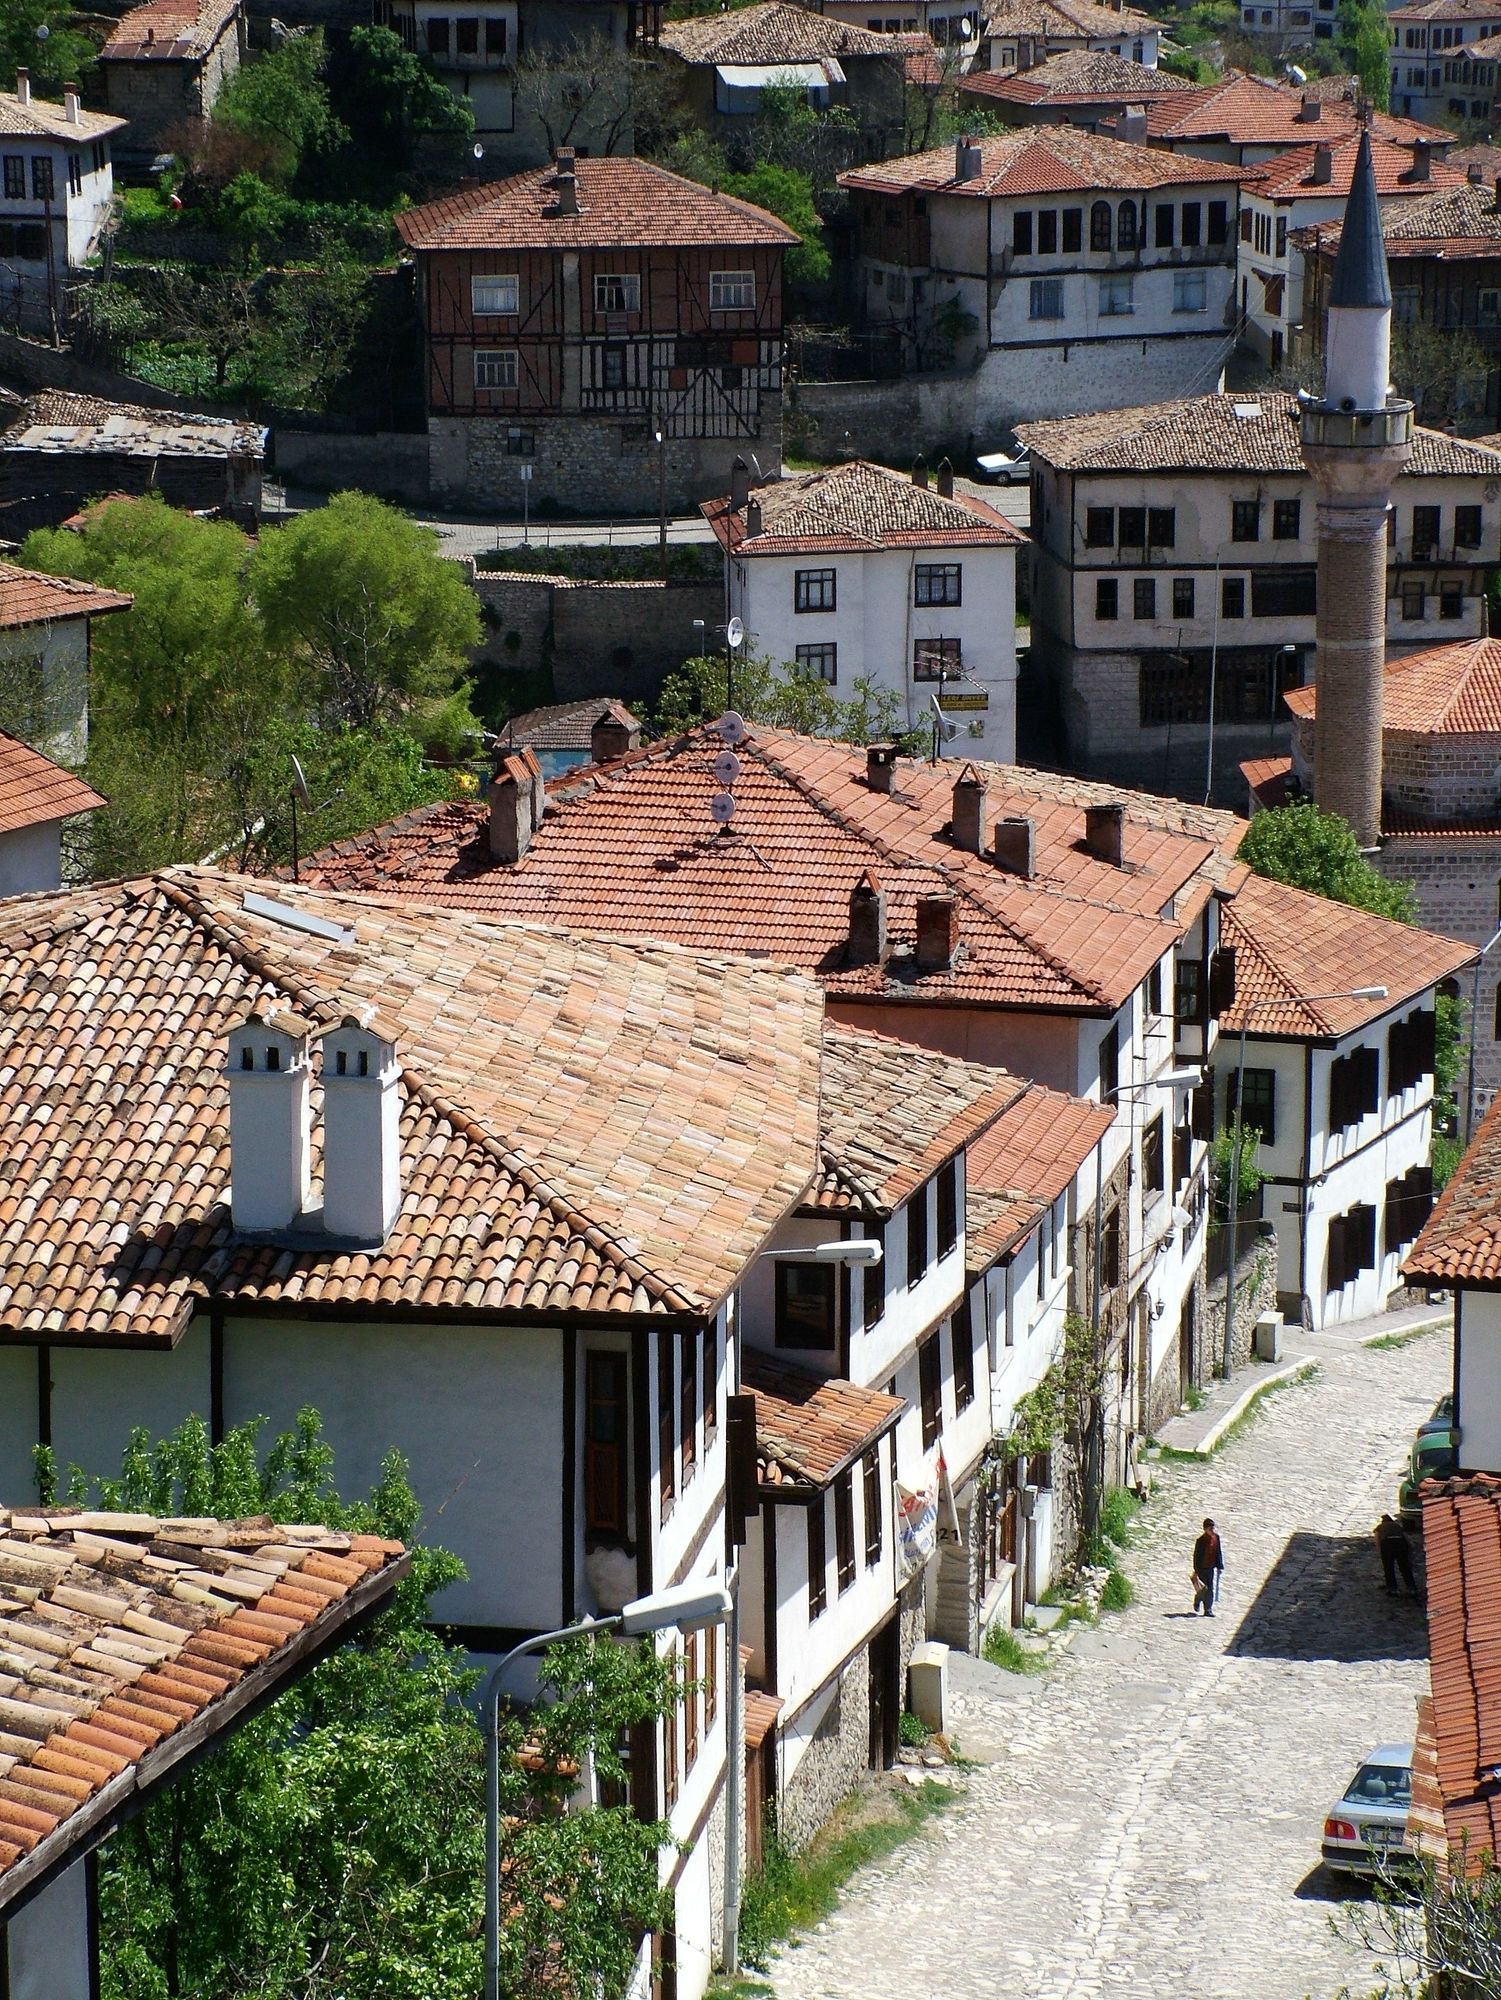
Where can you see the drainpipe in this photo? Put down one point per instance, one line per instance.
(734, 1732)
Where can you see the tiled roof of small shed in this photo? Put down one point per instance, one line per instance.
(808, 1428)
(1462, 1563)
(34, 790)
(1460, 1243)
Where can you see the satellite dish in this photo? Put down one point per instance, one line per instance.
(300, 784)
(732, 728)
(734, 633)
(479, 151)
(727, 768)
(721, 809)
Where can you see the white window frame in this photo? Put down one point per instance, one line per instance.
(1184, 281)
(495, 283)
(1113, 286)
(732, 291)
(1045, 289)
(498, 361)
(627, 299)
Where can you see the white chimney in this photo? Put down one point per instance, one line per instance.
(361, 1131)
(266, 1069)
(23, 86)
(70, 104)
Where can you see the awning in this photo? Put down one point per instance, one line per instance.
(756, 76)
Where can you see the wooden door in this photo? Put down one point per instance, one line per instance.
(885, 1694)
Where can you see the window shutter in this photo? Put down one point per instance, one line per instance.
(1222, 980)
(1201, 1109)
(742, 1495)
(1424, 1043)
(1337, 1273)
(1370, 1078)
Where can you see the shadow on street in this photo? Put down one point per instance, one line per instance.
(1324, 1600)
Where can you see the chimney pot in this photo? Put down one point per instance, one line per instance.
(920, 471)
(971, 810)
(880, 766)
(752, 518)
(1132, 124)
(937, 932)
(70, 103)
(361, 1132)
(266, 1070)
(1422, 162)
(1015, 847)
(516, 795)
(1312, 111)
(867, 945)
(1475, 174)
(23, 86)
(1323, 166)
(945, 479)
(613, 736)
(967, 157)
(1105, 833)
(739, 485)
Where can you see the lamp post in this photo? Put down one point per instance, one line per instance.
(662, 501)
(1232, 1199)
(1474, 1031)
(689, 1606)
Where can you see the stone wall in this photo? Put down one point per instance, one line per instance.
(392, 464)
(1255, 1294)
(597, 638)
(1442, 777)
(1457, 884)
(836, 1758)
(1163, 1394)
(716, 1834)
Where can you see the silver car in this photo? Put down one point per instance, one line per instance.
(1003, 468)
(1366, 1830)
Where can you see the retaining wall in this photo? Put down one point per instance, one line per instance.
(392, 464)
(598, 638)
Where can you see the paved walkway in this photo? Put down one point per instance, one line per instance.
(1149, 1824)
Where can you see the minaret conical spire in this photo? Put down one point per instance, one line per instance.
(1358, 349)
(1361, 278)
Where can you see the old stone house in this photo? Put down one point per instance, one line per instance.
(164, 66)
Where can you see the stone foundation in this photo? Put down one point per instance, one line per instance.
(836, 1759)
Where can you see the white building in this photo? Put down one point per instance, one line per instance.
(1423, 41)
(1175, 553)
(1460, 1250)
(36, 796)
(56, 188)
(1019, 34)
(1340, 1090)
(1064, 269)
(44, 657)
(858, 572)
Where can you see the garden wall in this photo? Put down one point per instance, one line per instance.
(610, 638)
(390, 464)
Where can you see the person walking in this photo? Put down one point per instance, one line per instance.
(1208, 1566)
(1396, 1554)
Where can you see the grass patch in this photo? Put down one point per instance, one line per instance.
(1388, 1342)
(1118, 1512)
(1195, 1399)
(1118, 1593)
(1003, 1649)
(793, 1892)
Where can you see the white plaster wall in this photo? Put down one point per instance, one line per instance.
(1478, 1379)
(703, 1495)
(693, 1919)
(47, 1943)
(31, 858)
(809, 1653)
(62, 644)
(100, 1395)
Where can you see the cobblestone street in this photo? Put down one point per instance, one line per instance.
(1148, 1822)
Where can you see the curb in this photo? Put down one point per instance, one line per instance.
(1413, 1330)
(1290, 1371)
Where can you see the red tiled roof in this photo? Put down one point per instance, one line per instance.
(44, 118)
(631, 845)
(808, 1429)
(586, 1125)
(29, 597)
(1076, 76)
(1254, 111)
(132, 1644)
(1291, 175)
(1057, 20)
(995, 1224)
(1448, 10)
(1288, 942)
(1460, 1243)
(34, 790)
(1039, 1144)
(1452, 690)
(856, 507)
(1040, 159)
(566, 725)
(622, 203)
(1462, 1736)
(169, 31)
(770, 32)
(761, 1712)
(1267, 778)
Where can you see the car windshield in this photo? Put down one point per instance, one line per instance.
(1381, 1785)
(1434, 1448)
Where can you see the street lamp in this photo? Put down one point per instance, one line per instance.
(689, 1606)
(1474, 1030)
(1233, 1194)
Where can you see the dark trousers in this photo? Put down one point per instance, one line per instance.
(1205, 1589)
(1396, 1555)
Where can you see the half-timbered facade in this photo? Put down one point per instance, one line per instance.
(600, 329)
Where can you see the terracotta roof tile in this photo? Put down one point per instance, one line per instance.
(1461, 1241)
(995, 1223)
(566, 725)
(761, 1712)
(1254, 111)
(1042, 159)
(1255, 432)
(169, 30)
(1457, 221)
(1291, 175)
(1057, 20)
(1288, 942)
(29, 597)
(34, 790)
(1076, 76)
(621, 203)
(1267, 778)
(114, 1631)
(808, 1429)
(68, 425)
(630, 845)
(857, 506)
(1038, 1144)
(1457, 1774)
(44, 119)
(585, 1125)
(1446, 10)
(771, 31)
(1452, 690)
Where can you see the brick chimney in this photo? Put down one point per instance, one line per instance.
(937, 932)
(23, 86)
(1105, 833)
(867, 944)
(945, 479)
(971, 810)
(1322, 171)
(739, 485)
(1015, 847)
(515, 805)
(1131, 125)
(565, 181)
(880, 766)
(752, 518)
(1475, 174)
(361, 1131)
(611, 736)
(266, 1071)
(1311, 111)
(920, 472)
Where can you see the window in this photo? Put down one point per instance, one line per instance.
(1191, 219)
(814, 589)
(1153, 995)
(1101, 231)
(1489, 311)
(495, 294)
(521, 444)
(1284, 593)
(1285, 520)
(1353, 1087)
(930, 1390)
(1073, 229)
(1106, 598)
(818, 1562)
(495, 35)
(1188, 991)
(1133, 527)
(605, 1444)
(962, 1336)
(844, 1530)
(42, 188)
(822, 662)
(1099, 527)
(1247, 225)
(1260, 1113)
(1183, 597)
(1021, 233)
(1162, 527)
(1190, 292)
(75, 173)
(1352, 1245)
(711, 1676)
(688, 1403)
(466, 35)
(617, 292)
(1162, 226)
(666, 1439)
(614, 367)
(1245, 521)
(1144, 597)
(871, 1480)
(15, 177)
(1409, 1203)
(917, 1237)
(1125, 226)
(1467, 527)
(937, 659)
(437, 35)
(1451, 600)
(1410, 1049)
(1281, 249)
(948, 1208)
(1153, 1157)
(1110, 1250)
(873, 1279)
(1047, 232)
(495, 368)
(1115, 297)
(1110, 1061)
(690, 1699)
(732, 291)
(1414, 601)
(1425, 529)
(937, 583)
(1232, 597)
(711, 1383)
(806, 1298)
(1047, 298)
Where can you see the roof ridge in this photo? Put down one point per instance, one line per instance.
(175, 886)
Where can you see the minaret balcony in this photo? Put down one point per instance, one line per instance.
(1357, 430)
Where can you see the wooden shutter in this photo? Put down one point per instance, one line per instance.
(742, 1489)
(605, 1434)
(1337, 1253)
(1222, 980)
(1201, 1108)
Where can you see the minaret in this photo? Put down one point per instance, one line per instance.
(1356, 441)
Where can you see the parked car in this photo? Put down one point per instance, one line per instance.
(1003, 469)
(1442, 1418)
(1366, 1829)
(1434, 1456)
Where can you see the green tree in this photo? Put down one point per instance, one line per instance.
(1443, 369)
(282, 100)
(333, 1845)
(781, 697)
(390, 98)
(1318, 851)
(359, 594)
(45, 37)
(1366, 38)
(788, 195)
